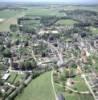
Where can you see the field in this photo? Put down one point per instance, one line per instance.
(74, 96)
(93, 8)
(39, 89)
(66, 22)
(94, 30)
(8, 13)
(10, 17)
(43, 12)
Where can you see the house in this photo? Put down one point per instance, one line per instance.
(96, 43)
(5, 76)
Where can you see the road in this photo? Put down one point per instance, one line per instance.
(87, 83)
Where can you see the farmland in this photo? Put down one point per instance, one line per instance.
(8, 13)
(10, 17)
(43, 12)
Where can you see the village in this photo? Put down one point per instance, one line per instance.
(64, 45)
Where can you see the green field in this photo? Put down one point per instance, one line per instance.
(39, 89)
(8, 13)
(74, 96)
(94, 30)
(66, 22)
(10, 17)
(80, 84)
(43, 12)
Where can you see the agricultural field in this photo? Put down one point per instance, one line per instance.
(39, 89)
(66, 22)
(9, 17)
(8, 13)
(93, 8)
(43, 12)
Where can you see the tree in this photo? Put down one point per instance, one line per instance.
(26, 43)
(17, 42)
(7, 53)
(8, 44)
(28, 65)
(2, 48)
(1, 41)
(48, 20)
(74, 65)
(13, 27)
(27, 29)
(21, 65)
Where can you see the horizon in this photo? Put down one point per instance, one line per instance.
(54, 1)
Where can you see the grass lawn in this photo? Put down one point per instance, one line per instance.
(80, 84)
(73, 96)
(39, 89)
(66, 22)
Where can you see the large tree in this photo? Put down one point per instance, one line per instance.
(13, 27)
(7, 53)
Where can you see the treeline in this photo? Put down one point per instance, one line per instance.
(48, 21)
(84, 16)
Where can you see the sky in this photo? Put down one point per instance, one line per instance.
(66, 1)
